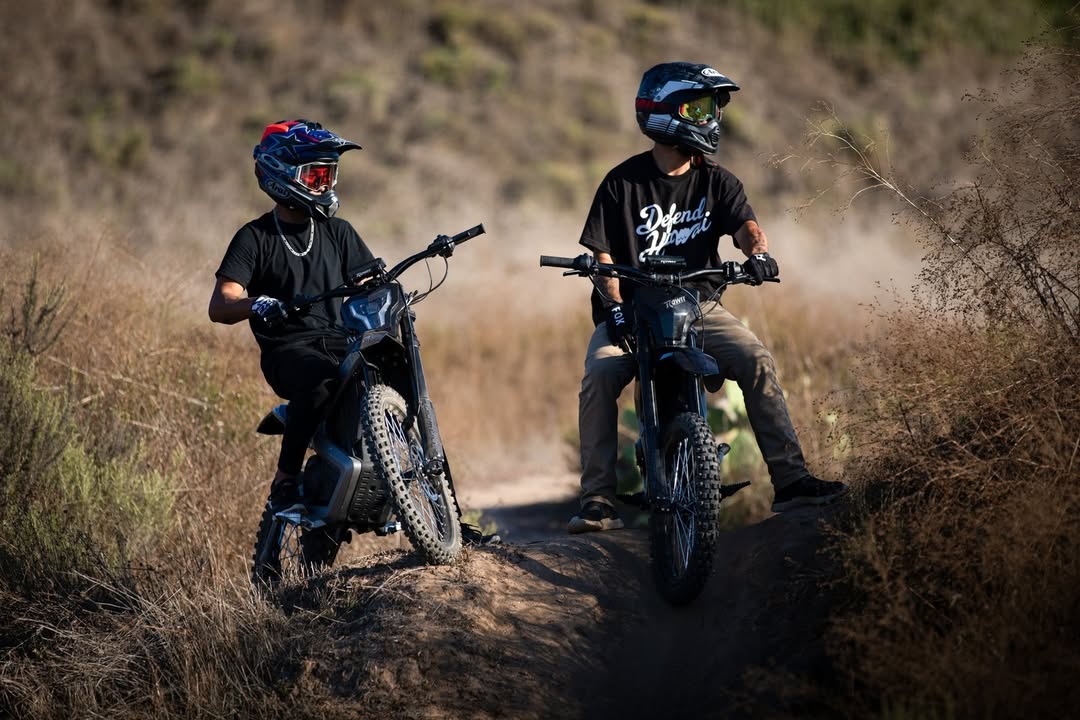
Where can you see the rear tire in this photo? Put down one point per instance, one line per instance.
(683, 539)
(424, 502)
(286, 551)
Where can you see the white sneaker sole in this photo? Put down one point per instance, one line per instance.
(579, 525)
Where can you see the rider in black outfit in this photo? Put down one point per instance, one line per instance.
(298, 248)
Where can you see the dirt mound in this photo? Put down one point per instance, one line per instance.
(564, 627)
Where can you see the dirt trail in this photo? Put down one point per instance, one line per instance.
(550, 625)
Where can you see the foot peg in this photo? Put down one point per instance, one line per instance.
(637, 500)
(388, 529)
(729, 490)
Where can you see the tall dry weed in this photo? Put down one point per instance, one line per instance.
(960, 553)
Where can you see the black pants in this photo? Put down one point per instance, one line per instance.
(305, 374)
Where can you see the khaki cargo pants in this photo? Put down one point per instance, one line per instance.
(741, 357)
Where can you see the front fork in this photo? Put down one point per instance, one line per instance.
(652, 430)
(425, 410)
(687, 386)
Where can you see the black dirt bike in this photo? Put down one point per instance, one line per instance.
(379, 464)
(676, 452)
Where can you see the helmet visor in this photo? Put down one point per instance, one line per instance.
(317, 176)
(700, 110)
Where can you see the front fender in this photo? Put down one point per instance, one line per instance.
(691, 361)
(695, 362)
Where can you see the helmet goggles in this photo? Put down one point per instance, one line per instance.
(698, 110)
(317, 175)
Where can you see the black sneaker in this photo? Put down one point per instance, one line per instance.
(285, 497)
(594, 516)
(472, 535)
(807, 491)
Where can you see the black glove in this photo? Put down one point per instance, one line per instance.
(619, 324)
(760, 267)
(271, 311)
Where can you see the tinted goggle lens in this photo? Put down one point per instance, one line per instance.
(699, 110)
(316, 176)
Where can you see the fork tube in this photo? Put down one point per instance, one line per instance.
(696, 391)
(425, 410)
(649, 427)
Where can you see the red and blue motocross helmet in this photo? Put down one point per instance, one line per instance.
(296, 164)
(680, 104)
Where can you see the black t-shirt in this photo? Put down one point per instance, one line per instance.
(640, 211)
(258, 259)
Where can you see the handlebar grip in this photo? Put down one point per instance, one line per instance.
(467, 234)
(559, 262)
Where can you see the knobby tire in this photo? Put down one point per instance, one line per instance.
(683, 541)
(425, 504)
(286, 551)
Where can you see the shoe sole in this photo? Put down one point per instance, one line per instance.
(579, 525)
(807, 501)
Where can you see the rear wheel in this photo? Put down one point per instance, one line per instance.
(422, 495)
(284, 550)
(683, 537)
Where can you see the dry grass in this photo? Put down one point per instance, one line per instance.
(963, 561)
(959, 555)
(206, 650)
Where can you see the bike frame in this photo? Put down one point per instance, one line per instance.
(671, 369)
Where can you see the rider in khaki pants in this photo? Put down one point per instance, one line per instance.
(671, 200)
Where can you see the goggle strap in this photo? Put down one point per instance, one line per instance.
(653, 106)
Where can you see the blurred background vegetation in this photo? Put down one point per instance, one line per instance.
(127, 457)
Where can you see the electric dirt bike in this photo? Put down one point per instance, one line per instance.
(676, 452)
(379, 464)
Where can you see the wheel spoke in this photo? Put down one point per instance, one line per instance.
(411, 460)
(682, 525)
(290, 556)
(420, 494)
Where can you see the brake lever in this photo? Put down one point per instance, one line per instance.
(297, 306)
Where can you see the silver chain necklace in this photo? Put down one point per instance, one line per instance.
(310, 240)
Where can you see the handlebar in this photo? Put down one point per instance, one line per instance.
(443, 245)
(559, 262)
(730, 272)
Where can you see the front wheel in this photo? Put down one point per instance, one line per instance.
(422, 496)
(683, 535)
(287, 551)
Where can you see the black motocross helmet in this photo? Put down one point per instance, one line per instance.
(296, 162)
(680, 104)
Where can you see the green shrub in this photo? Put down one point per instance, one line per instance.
(62, 507)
